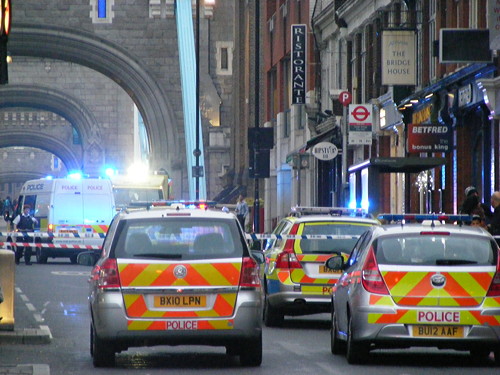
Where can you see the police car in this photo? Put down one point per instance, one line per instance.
(296, 281)
(418, 284)
(175, 276)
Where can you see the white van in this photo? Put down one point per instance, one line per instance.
(68, 211)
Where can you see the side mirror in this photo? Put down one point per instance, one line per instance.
(87, 258)
(258, 256)
(335, 263)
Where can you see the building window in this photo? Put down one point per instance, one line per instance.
(432, 37)
(76, 137)
(224, 58)
(101, 11)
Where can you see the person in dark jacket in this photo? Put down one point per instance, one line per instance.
(24, 222)
(494, 225)
(472, 205)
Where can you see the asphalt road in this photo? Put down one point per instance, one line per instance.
(55, 295)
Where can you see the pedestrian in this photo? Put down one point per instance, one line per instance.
(241, 210)
(472, 205)
(25, 223)
(477, 221)
(494, 225)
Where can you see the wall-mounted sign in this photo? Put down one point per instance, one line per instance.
(429, 138)
(399, 58)
(325, 151)
(299, 55)
(360, 124)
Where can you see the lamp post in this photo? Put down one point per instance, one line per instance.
(256, 205)
(197, 152)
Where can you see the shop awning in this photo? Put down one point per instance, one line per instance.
(472, 71)
(311, 143)
(399, 164)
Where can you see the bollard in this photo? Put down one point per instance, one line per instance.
(7, 279)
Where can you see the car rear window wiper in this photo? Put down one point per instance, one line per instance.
(454, 261)
(157, 255)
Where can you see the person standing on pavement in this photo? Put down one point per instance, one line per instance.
(472, 205)
(494, 225)
(24, 222)
(241, 210)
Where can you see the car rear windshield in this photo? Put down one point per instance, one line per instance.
(436, 250)
(179, 238)
(344, 236)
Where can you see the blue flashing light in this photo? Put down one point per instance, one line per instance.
(49, 177)
(352, 204)
(365, 204)
(75, 175)
(110, 172)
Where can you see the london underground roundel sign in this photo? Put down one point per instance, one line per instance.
(325, 151)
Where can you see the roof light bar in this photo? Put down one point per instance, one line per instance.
(422, 217)
(334, 211)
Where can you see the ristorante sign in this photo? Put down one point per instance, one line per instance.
(299, 53)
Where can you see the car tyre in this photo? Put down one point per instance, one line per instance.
(103, 354)
(40, 257)
(337, 346)
(497, 357)
(73, 259)
(251, 352)
(272, 316)
(480, 355)
(356, 352)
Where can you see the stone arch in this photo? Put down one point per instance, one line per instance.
(39, 140)
(114, 62)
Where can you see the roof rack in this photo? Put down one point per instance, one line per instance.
(299, 211)
(392, 218)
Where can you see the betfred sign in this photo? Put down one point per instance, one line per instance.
(429, 138)
(299, 54)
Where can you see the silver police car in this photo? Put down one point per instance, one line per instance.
(175, 276)
(422, 284)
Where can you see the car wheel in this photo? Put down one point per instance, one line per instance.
(356, 352)
(480, 355)
(337, 346)
(40, 257)
(272, 316)
(103, 354)
(251, 352)
(73, 259)
(497, 357)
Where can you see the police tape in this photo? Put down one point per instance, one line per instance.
(266, 236)
(52, 235)
(50, 245)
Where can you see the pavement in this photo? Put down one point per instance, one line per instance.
(25, 330)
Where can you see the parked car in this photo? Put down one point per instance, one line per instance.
(175, 276)
(296, 280)
(418, 284)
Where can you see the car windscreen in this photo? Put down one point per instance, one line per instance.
(178, 239)
(428, 249)
(343, 236)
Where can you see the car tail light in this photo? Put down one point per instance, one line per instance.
(494, 290)
(106, 274)
(287, 258)
(370, 275)
(249, 273)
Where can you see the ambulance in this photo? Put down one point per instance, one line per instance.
(72, 215)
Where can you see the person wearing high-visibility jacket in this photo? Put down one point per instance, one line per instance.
(24, 222)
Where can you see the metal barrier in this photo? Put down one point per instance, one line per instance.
(7, 282)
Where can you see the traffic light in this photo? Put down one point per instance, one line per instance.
(5, 18)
